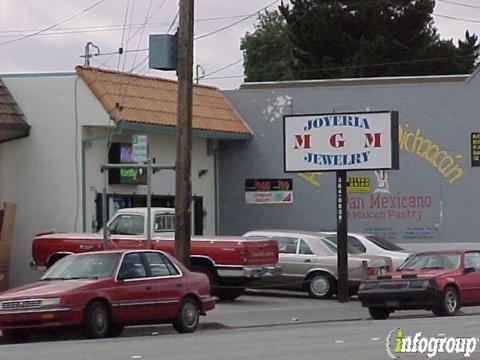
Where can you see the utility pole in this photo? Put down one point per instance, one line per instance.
(183, 185)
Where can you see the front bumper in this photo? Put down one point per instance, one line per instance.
(400, 299)
(249, 272)
(46, 317)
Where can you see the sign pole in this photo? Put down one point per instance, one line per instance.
(148, 243)
(342, 230)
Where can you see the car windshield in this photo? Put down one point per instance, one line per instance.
(384, 243)
(331, 243)
(432, 261)
(94, 266)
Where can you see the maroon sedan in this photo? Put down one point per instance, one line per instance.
(104, 291)
(440, 281)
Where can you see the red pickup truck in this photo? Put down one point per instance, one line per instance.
(231, 263)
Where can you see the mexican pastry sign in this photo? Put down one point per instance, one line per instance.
(341, 141)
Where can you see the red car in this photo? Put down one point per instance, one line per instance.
(440, 281)
(104, 291)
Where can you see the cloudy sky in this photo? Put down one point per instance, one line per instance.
(58, 47)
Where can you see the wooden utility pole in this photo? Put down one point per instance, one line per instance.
(183, 185)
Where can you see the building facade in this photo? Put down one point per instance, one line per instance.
(81, 120)
(433, 197)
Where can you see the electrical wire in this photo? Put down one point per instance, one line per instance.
(173, 21)
(357, 66)
(54, 25)
(142, 32)
(460, 4)
(236, 22)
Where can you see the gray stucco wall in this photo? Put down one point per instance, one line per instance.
(442, 190)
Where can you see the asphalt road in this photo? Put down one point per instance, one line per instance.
(259, 327)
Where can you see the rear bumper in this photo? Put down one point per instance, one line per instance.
(208, 303)
(249, 272)
(63, 316)
(401, 299)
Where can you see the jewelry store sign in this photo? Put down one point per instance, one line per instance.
(341, 141)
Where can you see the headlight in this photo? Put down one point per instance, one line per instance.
(368, 285)
(51, 301)
(420, 284)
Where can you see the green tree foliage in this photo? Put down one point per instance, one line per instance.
(315, 39)
(268, 54)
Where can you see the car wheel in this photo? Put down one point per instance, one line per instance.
(229, 294)
(449, 303)
(115, 330)
(379, 313)
(97, 321)
(320, 286)
(187, 317)
(16, 336)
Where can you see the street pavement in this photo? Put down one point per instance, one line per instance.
(343, 340)
(257, 326)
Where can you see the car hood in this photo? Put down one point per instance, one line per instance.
(45, 289)
(426, 273)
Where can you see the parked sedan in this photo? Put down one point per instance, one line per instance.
(374, 245)
(309, 262)
(105, 291)
(440, 281)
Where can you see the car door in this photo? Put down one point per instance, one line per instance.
(287, 258)
(134, 300)
(470, 282)
(127, 231)
(168, 284)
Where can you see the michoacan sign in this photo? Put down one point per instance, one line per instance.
(341, 141)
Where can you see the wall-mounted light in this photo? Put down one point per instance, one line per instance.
(202, 172)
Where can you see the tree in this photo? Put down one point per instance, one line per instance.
(354, 38)
(268, 54)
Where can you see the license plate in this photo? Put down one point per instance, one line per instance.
(392, 303)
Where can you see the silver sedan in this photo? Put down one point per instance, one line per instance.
(309, 262)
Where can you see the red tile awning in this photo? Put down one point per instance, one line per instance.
(13, 124)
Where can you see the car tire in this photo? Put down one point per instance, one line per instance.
(97, 321)
(379, 313)
(187, 317)
(320, 285)
(16, 336)
(229, 294)
(449, 303)
(115, 330)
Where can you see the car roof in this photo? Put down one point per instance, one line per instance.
(287, 232)
(117, 251)
(143, 210)
(442, 251)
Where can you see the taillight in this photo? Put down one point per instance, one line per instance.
(371, 271)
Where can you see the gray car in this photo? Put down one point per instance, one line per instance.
(309, 262)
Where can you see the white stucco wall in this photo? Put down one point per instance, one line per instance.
(42, 172)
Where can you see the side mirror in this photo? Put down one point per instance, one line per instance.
(469, 269)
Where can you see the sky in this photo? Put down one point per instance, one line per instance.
(58, 49)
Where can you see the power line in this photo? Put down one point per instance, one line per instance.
(221, 69)
(236, 22)
(355, 66)
(99, 28)
(54, 25)
(460, 4)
